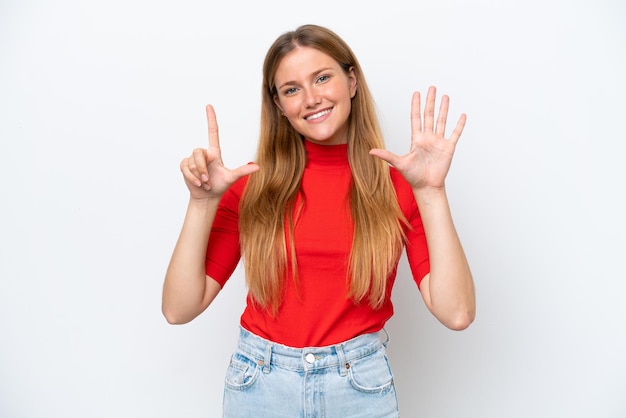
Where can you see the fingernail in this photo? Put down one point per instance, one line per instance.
(205, 178)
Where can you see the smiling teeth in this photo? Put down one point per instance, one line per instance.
(318, 114)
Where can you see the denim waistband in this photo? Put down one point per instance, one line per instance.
(268, 353)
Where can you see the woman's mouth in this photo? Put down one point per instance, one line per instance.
(318, 114)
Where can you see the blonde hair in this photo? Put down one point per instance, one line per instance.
(268, 210)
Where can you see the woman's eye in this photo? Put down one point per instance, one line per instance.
(289, 91)
(322, 78)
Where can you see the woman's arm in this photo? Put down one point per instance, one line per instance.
(448, 290)
(187, 290)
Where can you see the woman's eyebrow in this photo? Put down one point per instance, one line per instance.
(313, 74)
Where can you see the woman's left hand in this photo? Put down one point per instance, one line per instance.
(428, 161)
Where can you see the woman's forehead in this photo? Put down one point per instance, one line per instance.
(302, 62)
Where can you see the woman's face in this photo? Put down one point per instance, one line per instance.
(314, 93)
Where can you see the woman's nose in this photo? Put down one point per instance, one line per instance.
(312, 98)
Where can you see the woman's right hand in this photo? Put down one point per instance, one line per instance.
(205, 175)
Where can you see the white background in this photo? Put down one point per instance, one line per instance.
(99, 101)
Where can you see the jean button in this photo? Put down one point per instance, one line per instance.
(310, 358)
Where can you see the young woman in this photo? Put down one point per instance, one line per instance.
(320, 221)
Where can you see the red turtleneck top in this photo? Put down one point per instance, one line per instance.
(319, 312)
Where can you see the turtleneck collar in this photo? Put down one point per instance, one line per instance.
(326, 155)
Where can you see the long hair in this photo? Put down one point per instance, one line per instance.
(268, 210)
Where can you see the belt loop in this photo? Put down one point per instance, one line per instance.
(267, 359)
(343, 365)
(386, 340)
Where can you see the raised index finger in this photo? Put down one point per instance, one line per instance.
(214, 140)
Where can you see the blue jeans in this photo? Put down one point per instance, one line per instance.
(348, 380)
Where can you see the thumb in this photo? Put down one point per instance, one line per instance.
(385, 155)
(245, 170)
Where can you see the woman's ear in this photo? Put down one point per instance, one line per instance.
(353, 82)
(277, 103)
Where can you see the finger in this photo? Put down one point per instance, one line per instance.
(385, 155)
(245, 170)
(187, 174)
(429, 109)
(214, 140)
(198, 164)
(416, 113)
(443, 116)
(458, 129)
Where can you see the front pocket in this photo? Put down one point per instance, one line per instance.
(242, 372)
(371, 374)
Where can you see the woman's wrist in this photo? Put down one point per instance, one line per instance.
(430, 195)
(204, 203)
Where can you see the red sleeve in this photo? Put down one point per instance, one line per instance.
(417, 248)
(416, 245)
(223, 251)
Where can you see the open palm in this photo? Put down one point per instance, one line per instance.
(428, 161)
